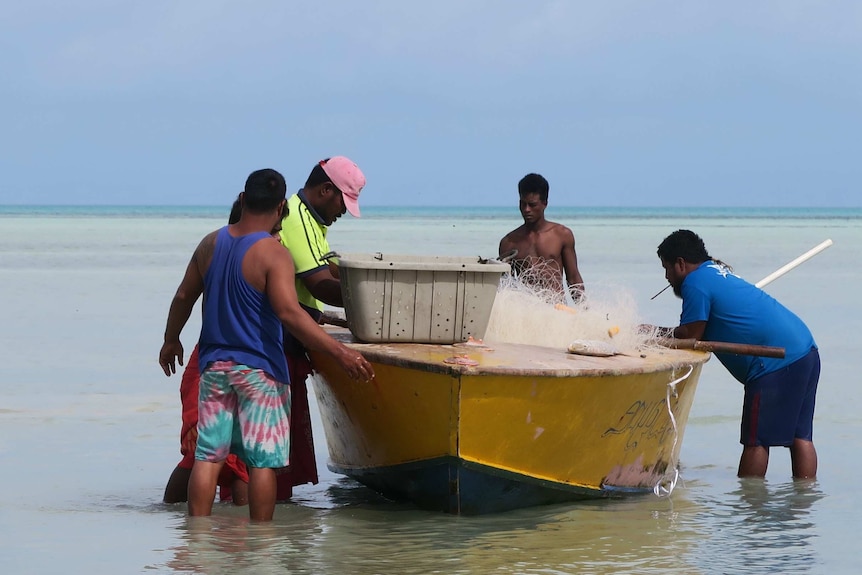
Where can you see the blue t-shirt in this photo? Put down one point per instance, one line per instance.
(736, 311)
(238, 322)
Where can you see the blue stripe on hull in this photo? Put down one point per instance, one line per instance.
(454, 486)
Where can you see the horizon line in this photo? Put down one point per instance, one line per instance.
(443, 206)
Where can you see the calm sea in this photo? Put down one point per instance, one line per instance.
(89, 425)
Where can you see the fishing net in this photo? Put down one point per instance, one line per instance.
(530, 310)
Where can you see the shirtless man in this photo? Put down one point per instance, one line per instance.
(544, 249)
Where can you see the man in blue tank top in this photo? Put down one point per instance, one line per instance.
(778, 409)
(247, 279)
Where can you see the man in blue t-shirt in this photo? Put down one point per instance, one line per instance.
(778, 409)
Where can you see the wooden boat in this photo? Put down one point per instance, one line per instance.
(470, 429)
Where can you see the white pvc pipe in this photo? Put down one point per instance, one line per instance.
(786, 268)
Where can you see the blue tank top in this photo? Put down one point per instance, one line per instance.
(238, 322)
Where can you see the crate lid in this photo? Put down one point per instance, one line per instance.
(422, 263)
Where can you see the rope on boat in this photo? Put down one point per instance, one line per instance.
(666, 486)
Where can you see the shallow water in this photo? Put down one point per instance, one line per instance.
(89, 425)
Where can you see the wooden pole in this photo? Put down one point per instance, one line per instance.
(724, 347)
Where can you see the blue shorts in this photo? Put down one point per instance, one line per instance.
(243, 411)
(779, 406)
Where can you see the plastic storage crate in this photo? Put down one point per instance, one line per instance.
(419, 299)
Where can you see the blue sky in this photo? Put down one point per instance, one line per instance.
(618, 103)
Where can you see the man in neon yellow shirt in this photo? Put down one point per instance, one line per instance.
(331, 190)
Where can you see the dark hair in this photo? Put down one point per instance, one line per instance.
(534, 184)
(317, 175)
(235, 211)
(264, 190)
(683, 244)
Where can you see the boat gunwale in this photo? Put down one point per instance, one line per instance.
(394, 354)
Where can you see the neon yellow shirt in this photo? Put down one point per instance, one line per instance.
(305, 237)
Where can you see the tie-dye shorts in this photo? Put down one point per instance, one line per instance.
(243, 411)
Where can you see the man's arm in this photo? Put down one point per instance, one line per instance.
(281, 291)
(569, 257)
(507, 245)
(324, 286)
(692, 330)
(318, 275)
(188, 292)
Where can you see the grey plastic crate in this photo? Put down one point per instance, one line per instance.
(419, 299)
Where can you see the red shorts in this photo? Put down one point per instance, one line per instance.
(303, 464)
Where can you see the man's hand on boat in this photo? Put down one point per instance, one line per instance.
(356, 366)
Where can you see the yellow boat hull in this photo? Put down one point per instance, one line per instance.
(472, 429)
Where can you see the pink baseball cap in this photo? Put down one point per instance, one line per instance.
(348, 178)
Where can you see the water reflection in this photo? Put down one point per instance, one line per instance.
(228, 542)
(359, 533)
(769, 529)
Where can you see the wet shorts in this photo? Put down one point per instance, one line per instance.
(245, 411)
(779, 406)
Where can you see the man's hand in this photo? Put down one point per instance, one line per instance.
(351, 361)
(172, 351)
